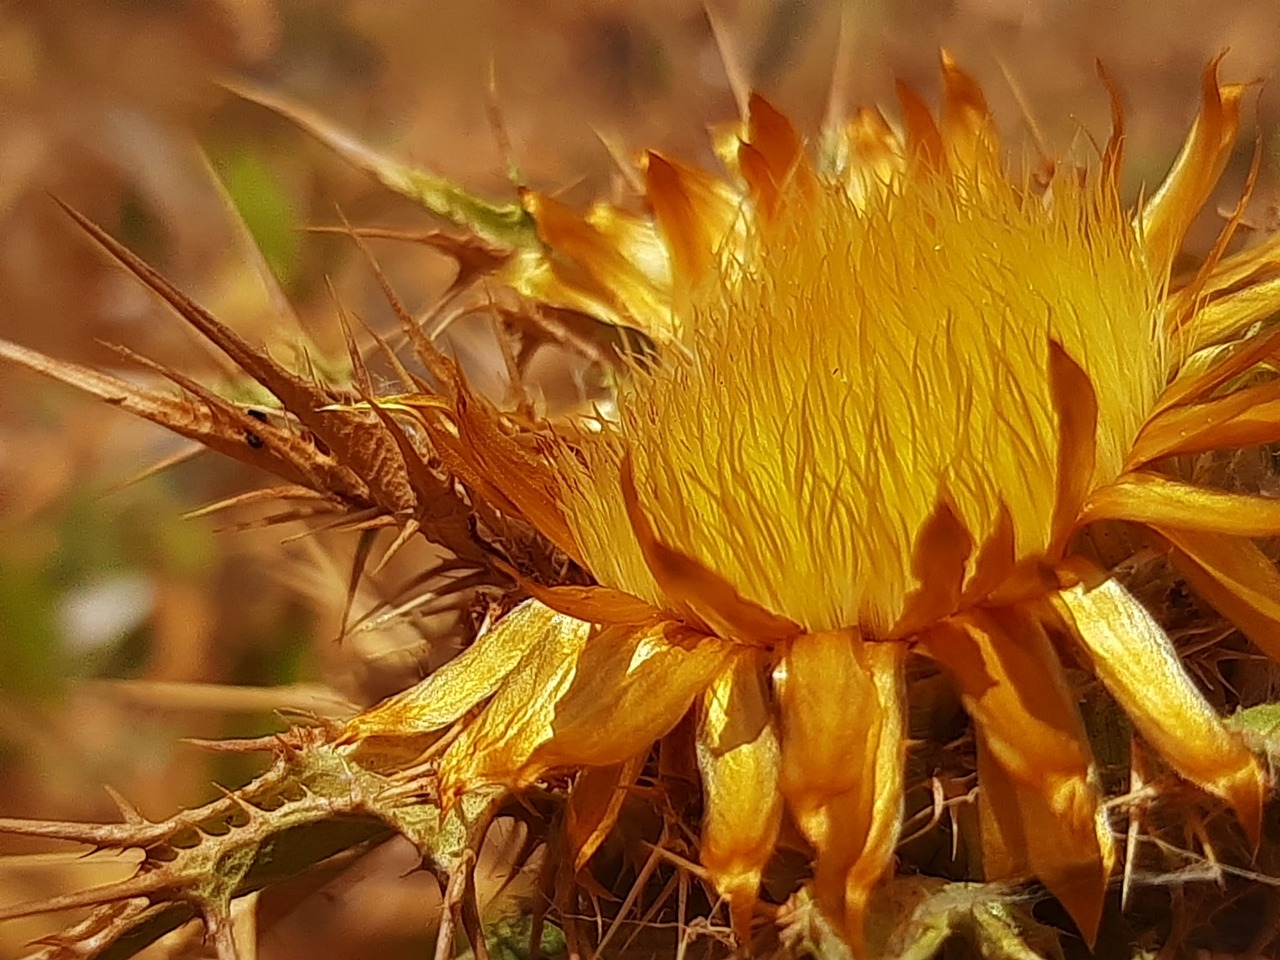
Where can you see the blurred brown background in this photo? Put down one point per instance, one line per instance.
(107, 597)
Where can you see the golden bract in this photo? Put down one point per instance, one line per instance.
(889, 394)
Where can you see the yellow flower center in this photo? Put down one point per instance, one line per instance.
(863, 355)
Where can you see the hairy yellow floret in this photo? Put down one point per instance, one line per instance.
(861, 357)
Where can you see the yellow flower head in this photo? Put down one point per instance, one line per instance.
(891, 389)
(864, 356)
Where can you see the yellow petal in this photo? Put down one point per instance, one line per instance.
(843, 757)
(1157, 501)
(594, 805)
(875, 152)
(1076, 405)
(465, 681)
(868, 863)
(739, 758)
(1237, 578)
(1233, 272)
(1232, 313)
(602, 266)
(1196, 381)
(1013, 687)
(496, 747)
(523, 477)
(828, 704)
(1138, 664)
(939, 561)
(631, 687)
(1169, 212)
(1037, 763)
(1244, 418)
(602, 605)
(583, 701)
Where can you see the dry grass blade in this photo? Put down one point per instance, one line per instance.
(507, 224)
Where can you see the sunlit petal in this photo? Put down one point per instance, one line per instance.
(1043, 806)
(1169, 212)
(694, 210)
(468, 679)
(738, 756)
(631, 686)
(600, 260)
(843, 751)
(1243, 418)
(497, 746)
(1136, 661)
(1157, 501)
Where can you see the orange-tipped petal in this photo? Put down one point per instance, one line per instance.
(1237, 578)
(1157, 501)
(739, 758)
(465, 681)
(571, 235)
(1029, 728)
(1138, 664)
(966, 119)
(924, 140)
(694, 210)
(772, 155)
(875, 153)
(843, 757)
(1169, 212)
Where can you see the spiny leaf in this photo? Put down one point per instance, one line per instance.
(352, 447)
(219, 426)
(315, 801)
(357, 457)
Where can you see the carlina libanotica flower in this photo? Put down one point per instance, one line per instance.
(892, 387)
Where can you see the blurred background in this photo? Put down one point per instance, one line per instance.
(124, 627)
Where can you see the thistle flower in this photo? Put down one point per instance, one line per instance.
(893, 388)
(893, 385)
